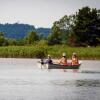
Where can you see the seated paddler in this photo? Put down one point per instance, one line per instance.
(63, 60)
(75, 59)
(49, 60)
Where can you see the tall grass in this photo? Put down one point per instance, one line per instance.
(38, 51)
(83, 52)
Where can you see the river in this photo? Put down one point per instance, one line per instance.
(22, 79)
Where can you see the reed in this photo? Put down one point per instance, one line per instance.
(38, 51)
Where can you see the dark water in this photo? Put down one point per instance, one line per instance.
(22, 79)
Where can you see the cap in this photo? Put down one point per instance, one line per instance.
(64, 54)
(74, 53)
(48, 55)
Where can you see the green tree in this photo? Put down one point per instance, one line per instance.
(12, 42)
(3, 41)
(86, 26)
(61, 30)
(32, 37)
(66, 27)
(54, 37)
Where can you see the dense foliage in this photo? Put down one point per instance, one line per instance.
(80, 29)
(87, 26)
(31, 37)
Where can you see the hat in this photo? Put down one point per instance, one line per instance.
(64, 54)
(48, 55)
(74, 53)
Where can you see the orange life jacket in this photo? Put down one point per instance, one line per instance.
(63, 61)
(74, 61)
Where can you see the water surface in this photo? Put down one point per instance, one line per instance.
(22, 79)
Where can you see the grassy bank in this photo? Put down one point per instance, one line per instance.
(37, 51)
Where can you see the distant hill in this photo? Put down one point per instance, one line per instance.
(17, 30)
(44, 31)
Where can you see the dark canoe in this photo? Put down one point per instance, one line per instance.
(57, 66)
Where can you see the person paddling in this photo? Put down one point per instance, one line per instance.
(49, 60)
(63, 60)
(75, 59)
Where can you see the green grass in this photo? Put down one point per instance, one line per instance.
(38, 51)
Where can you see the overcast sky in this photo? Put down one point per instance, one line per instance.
(41, 13)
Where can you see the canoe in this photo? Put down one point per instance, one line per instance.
(69, 66)
(57, 66)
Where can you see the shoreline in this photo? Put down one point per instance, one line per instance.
(46, 58)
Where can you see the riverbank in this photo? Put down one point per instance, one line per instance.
(38, 51)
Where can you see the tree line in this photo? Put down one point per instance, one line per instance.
(82, 28)
(79, 29)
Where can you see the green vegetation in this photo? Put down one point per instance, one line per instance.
(31, 37)
(79, 29)
(38, 51)
(78, 33)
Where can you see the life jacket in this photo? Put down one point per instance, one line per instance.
(63, 61)
(74, 61)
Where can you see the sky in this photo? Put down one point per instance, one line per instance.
(40, 13)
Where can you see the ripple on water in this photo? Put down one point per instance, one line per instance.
(15, 82)
(78, 83)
